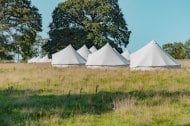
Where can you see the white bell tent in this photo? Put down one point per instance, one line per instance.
(106, 57)
(45, 59)
(31, 60)
(93, 49)
(84, 52)
(67, 57)
(152, 56)
(126, 54)
(34, 60)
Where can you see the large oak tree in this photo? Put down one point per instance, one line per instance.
(90, 22)
(20, 22)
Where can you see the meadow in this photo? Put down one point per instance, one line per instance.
(41, 95)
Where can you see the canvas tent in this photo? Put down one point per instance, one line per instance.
(115, 50)
(34, 60)
(67, 57)
(84, 52)
(93, 49)
(45, 59)
(152, 56)
(31, 60)
(118, 52)
(106, 57)
(126, 54)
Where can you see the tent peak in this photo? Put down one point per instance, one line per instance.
(153, 42)
(84, 51)
(93, 49)
(84, 46)
(107, 44)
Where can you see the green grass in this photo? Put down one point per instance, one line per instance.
(38, 95)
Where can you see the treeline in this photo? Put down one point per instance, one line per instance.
(76, 22)
(179, 50)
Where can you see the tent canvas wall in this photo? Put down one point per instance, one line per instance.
(31, 60)
(106, 56)
(126, 54)
(93, 49)
(34, 60)
(45, 59)
(67, 57)
(152, 56)
(84, 52)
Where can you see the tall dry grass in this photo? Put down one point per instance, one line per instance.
(39, 94)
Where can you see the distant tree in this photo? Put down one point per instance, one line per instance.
(20, 21)
(187, 49)
(90, 22)
(5, 48)
(38, 45)
(168, 47)
(177, 50)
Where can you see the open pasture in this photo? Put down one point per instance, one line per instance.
(39, 94)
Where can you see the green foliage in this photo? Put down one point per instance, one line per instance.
(89, 22)
(5, 48)
(21, 22)
(187, 49)
(38, 46)
(178, 50)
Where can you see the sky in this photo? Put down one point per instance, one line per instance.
(160, 20)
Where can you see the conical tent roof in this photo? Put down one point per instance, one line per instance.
(106, 56)
(67, 56)
(37, 59)
(115, 50)
(93, 49)
(120, 54)
(34, 60)
(84, 52)
(126, 54)
(31, 60)
(45, 59)
(152, 55)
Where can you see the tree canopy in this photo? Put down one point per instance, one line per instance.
(5, 48)
(178, 50)
(175, 49)
(90, 22)
(19, 22)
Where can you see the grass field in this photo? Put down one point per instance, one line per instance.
(40, 95)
